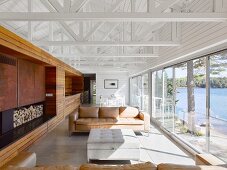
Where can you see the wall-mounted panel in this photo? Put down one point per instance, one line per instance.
(39, 83)
(8, 83)
(26, 83)
(77, 84)
(50, 86)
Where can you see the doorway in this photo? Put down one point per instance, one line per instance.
(89, 96)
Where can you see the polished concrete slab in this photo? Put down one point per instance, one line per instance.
(57, 148)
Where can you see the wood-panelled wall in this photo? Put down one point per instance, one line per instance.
(21, 83)
(71, 103)
(68, 86)
(50, 83)
(31, 83)
(8, 84)
(77, 84)
(14, 45)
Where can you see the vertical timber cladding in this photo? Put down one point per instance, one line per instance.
(31, 83)
(60, 91)
(8, 83)
(50, 85)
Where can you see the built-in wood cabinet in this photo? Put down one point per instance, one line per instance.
(37, 76)
(8, 82)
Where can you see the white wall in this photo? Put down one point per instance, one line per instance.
(123, 85)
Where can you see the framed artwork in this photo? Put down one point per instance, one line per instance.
(111, 84)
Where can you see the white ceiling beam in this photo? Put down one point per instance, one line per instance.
(98, 25)
(105, 62)
(67, 4)
(75, 55)
(106, 43)
(69, 30)
(106, 35)
(3, 1)
(150, 5)
(56, 6)
(114, 17)
(30, 31)
(78, 5)
(165, 5)
(93, 30)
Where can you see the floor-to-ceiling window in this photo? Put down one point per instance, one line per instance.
(157, 95)
(182, 95)
(218, 105)
(145, 94)
(169, 99)
(181, 103)
(136, 91)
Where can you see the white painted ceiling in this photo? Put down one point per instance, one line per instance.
(100, 35)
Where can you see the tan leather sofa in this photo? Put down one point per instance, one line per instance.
(18, 164)
(86, 118)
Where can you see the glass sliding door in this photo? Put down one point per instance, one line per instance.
(218, 105)
(136, 92)
(193, 129)
(169, 99)
(157, 95)
(181, 101)
(145, 95)
(190, 100)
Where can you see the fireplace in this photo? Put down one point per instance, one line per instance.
(14, 118)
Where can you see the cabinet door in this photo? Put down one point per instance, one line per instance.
(26, 83)
(39, 83)
(8, 83)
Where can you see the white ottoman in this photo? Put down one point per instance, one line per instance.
(113, 144)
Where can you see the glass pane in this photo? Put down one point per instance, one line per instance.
(145, 98)
(157, 95)
(168, 99)
(181, 99)
(194, 128)
(135, 92)
(218, 106)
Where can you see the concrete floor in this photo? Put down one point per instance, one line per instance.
(58, 148)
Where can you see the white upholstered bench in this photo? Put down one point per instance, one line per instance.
(113, 144)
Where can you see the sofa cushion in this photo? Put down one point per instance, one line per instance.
(107, 121)
(139, 166)
(166, 166)
(23, 159)
(88, 112)
(128, 112)
(46, 167)
(129, 121)
(109, 112)
(88, 121)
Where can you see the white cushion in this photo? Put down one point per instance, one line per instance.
(112, 139)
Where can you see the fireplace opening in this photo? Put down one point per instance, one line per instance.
(15, 123)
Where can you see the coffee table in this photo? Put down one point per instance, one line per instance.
(113, 144)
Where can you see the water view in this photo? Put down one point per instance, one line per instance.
(218, 107)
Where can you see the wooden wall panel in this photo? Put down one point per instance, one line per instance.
(77, 84)
(12, 41)
(68, 86)
(60, 91)
(39, 83)
(50, 85)
(54, 84)
(8, 86)
(71, 104)
(26, 83)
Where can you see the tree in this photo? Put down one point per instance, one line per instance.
(191, 97)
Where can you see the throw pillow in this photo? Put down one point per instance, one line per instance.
(139, 166)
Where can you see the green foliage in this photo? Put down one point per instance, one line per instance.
(199, 81)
